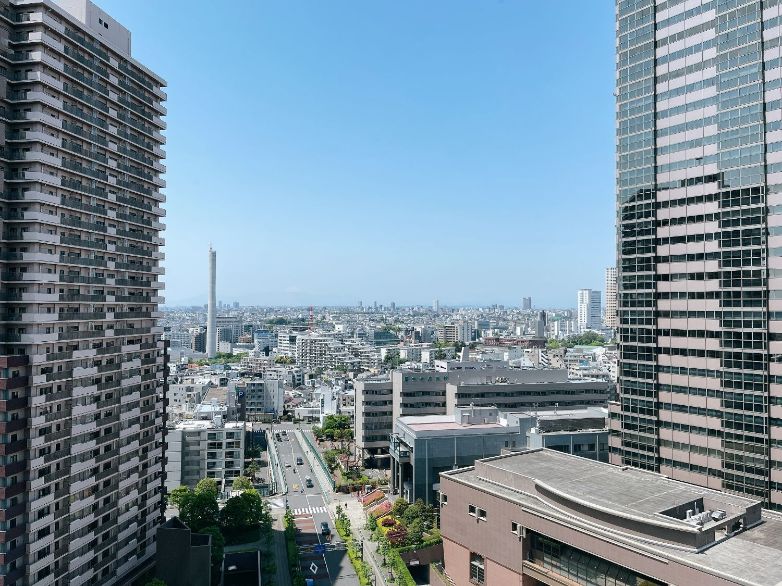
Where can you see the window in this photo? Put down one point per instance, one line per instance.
(472, 510)
(477, 569)
(515, 528)
(443, 499)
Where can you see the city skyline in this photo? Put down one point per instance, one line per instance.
(442, 117)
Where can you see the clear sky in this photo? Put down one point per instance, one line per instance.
(391, 150)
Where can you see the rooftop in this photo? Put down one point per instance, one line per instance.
(723, 534)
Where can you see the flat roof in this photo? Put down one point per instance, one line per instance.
(446, 423)
(569, 413)
(627, 500)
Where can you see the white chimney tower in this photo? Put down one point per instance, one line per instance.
(211, 316)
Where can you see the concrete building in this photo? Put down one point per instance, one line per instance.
(543, 517)
(589, 312)
(524, 390)
(263, 397)
(199, 338)
(460, 331)
(211, 312)
(540, 325)
(229, 328)
(80, 348)
(422, 447)
(700, 376)
(610, 318)
(581, 431)
(201, 449)
(526, 303)
(373, 418)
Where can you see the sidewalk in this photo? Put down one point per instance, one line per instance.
(355, 512)
(282, 576)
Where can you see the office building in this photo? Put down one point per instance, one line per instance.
(540, 325)
(229, 328)
(373, 419)
(436, 306)
(699, 198)
(204, 448)
(526, 303)
(263, 396)
(81, 352)
(581, 431)
(422, 447)
(543, 517)
(609, 320)
(589, 313)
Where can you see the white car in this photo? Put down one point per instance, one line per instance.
(287, 464)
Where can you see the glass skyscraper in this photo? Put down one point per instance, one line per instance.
(699, 242)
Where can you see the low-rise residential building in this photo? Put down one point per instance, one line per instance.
(544, 517)
(199, 449)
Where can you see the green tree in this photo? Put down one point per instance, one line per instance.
(218, 547)
(252, 469)
(198, 510)
(155, 582)
(246, 510)
(241, 483)
(175, 496)
(399, 507)
(207, 485)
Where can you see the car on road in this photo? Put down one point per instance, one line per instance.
(299, 461)
(324, 528)
(308, 482)
(287, 464)
(283, 432)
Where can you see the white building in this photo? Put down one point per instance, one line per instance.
(204, 449)
(460, 331)
(589, 313)
(610, 319)
(263, 396)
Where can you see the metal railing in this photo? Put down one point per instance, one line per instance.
(275, 469)
(319, 458)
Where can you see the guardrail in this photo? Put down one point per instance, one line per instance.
(316, 455)
(274, 465)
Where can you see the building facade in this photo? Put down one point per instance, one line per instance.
(589, 315)
(81, 352)
(699, 209)
(373, 419)
(201, 449)
(609, 320)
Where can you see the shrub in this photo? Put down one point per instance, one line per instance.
(388, 522)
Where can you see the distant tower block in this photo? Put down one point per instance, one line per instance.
(436, 305)
(526, 303)
(211, 317)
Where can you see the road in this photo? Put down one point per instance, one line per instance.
(332, 568)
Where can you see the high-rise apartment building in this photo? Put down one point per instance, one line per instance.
(609, 320)
(81, 354)
(699, 203)
(589, 313)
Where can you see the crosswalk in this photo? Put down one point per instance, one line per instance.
(309, 510)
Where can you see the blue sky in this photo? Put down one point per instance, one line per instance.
(384, 150)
